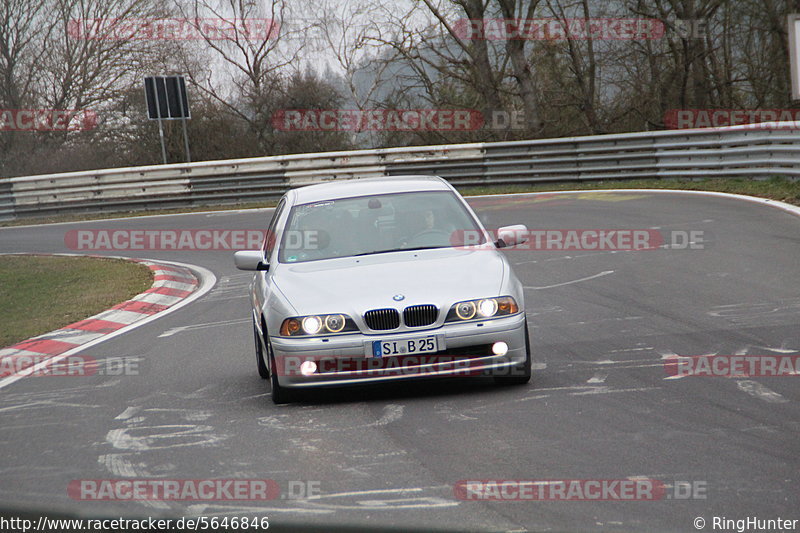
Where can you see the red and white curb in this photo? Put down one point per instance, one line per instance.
(174, 286)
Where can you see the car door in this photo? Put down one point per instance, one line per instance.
(262, 288)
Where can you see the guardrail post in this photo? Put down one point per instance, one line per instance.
(6, 201)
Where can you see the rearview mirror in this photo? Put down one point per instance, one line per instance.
(250, 260)
(511, 235)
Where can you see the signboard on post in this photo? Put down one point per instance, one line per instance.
(794, 54)
(167, 100)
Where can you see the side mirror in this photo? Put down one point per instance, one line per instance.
(250, 260)
(511, 235)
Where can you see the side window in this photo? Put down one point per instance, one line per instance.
(270, 238)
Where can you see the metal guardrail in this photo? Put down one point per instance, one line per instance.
(744, 151)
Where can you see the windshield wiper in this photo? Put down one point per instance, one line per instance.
(399, 250)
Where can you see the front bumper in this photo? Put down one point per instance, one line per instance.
(347, 359)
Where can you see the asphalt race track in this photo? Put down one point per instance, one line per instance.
(600, 405)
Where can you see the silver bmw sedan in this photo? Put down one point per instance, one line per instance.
(381, 279)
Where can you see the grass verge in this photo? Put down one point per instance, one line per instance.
(40, 294)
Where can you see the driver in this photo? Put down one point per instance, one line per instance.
(425, 228)
(429, 221)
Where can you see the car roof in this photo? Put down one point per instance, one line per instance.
(367, 186)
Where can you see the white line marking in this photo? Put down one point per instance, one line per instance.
(646, 362)
(608, 390)
(365, 492)
(782, 349)
(181, 329)
(757, 390)
(601, 274)
(391, 413)
(163, 437)
(420, 502)
(118, 465)
(219, 510)
(600, 321)
(127, 413)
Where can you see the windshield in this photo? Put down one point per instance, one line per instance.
(377, 224)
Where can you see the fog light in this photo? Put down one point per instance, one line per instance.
(307, 368)
(500, 348)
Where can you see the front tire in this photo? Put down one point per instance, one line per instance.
(263, 370)
(280, 395)
(521, 373)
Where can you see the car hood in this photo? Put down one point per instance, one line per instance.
(357, 284)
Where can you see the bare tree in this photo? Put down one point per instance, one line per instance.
(47, 62)
(22, 35)
(243, 70)
(426, 40)
(520, 60)
(462, 68)
(85, 71)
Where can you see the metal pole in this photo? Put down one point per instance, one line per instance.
(183, 121)
(186, 141)
(160, 126)
(161, 134)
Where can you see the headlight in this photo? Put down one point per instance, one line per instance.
(484, 308)
(487, 308)
(317, 325)
(465, 310)
(335, 323)
(312, 325)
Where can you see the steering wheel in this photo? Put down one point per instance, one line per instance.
(428, 236)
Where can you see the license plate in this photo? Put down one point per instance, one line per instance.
(405, 346)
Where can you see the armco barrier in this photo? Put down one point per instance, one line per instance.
(757, 151)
